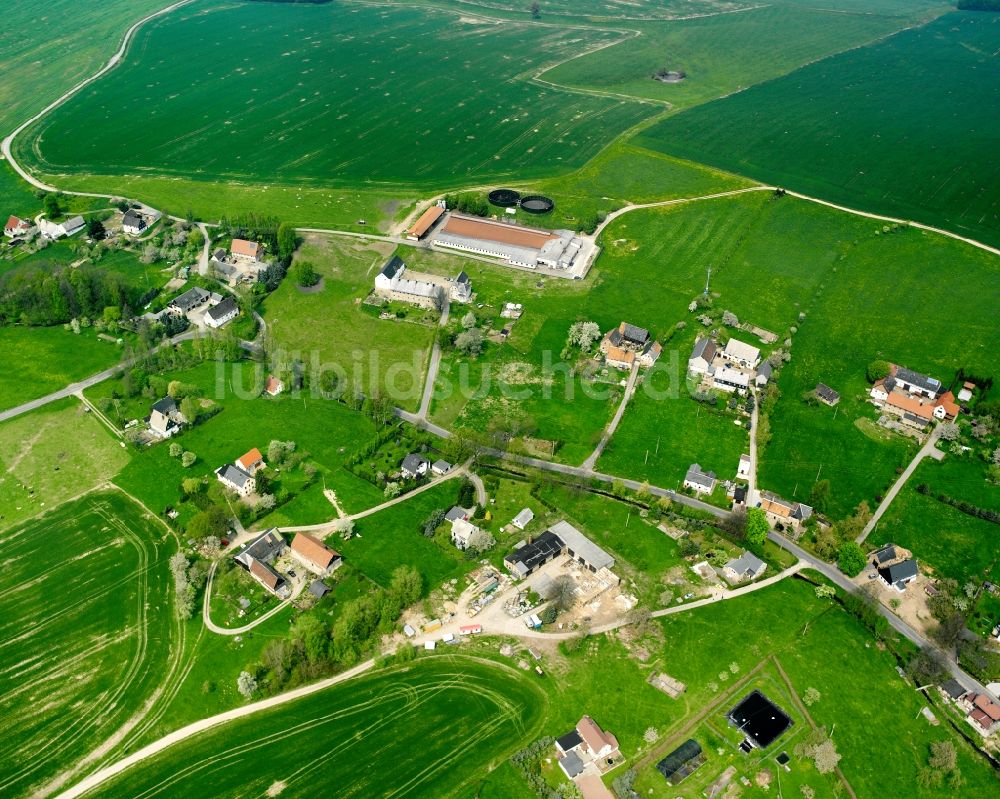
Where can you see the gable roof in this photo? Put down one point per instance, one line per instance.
(886, 553)
(266, 574)
(274, 385)
(74, 223)
(14, 222)
(314, 550)
(766, 370)
(263, 547)
(698, 477)
(904, 570)
(917, 379)
(244, 247)
(571, 765)
(677, 759)
(463, 278)
(634, 334)
(595, 738)
(190, 298)
(704, 348)
(953, 688)
(741, 350)
(745, 564)
(318, 588)
(426, 221)
(570, 740)
(233, 475)
(413, 461)
(523, 519)
(582, 546)
(455, 514)
(393, 267)
(824, 392)
(132, 219)
(223, 309)
(166, 406)
(252, 458)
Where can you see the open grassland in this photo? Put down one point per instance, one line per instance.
(327, 327)
(87, 632)
(17, 198)
(51, 455)
(903, 127)
(40, 360)
(316, 94)
(941, 537)
(725, 53)
(439, 723)
(601, 10)
(328, 430)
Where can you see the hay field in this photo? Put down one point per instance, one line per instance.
(86, 634)
(423, 731)
(333, 93)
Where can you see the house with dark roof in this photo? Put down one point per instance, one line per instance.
(235, 479)
(702, 356)
(897, 575)
(953, 689)
(586, 749)
(915, 382)
(457, 513)
(628, 345)
(744, 568)
(414, 466)
(189, 300)
(270, 579)
(265, 548)
(699, 481)
(527, 558)
(682, 762)
(222, 313)
(461, 288)
(884, 556)
(319, 589)
(560, 538)
(764, 372)
(133, 223)
(164, 418)
(826, 395)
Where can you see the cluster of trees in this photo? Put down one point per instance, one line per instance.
(474, 204)
(583, 334)
(189, 578)
(47, 294)
(305, 274)
(979, 5)
(819, 747)
(314, 648)
(526, 764)
(469, 341)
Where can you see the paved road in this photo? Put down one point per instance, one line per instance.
(610, 430)
(927, 449)
(433, 366)
(205, 250)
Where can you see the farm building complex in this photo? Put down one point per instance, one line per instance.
(529, 248)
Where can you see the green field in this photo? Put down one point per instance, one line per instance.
(87, 632)
(904, 127)
(327, 329)
(726, 53)
(333, 74)
(327, 430)
(439, 723)
(51, 455)
(46, 359)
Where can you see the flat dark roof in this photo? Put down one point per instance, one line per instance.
(759, 719)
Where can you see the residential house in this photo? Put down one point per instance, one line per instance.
(915, 382)
(743, 470)
(523, 519)
(391, 282)
(58, 230)
(273, 387)
(270, 579)
(252, 462)
(461, 288)
(782, 512)
(315, 555)
(585, 748)
(164, 418)
(946, 408)
(744, 354)
(739, 496)
(265, 548)
(897, 575)
(456, 513)
(764, 373)
(440, 467)
(882, 388)
(953, 689)
(243, 250)
(628, 345)
(414, 466)
(222, 313)
(699, 481)
(17, 227)
(731, 380)
(985, 715)
(702, 356)
(884, 556)
(744, 568)
(189, 300)
(826, 395)
(462, 532)
(233, 477)
(133, 223)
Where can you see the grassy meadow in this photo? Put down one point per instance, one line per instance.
(440, 724)
(87, 634)
(903, 127)
(51, 455)
(332, 73)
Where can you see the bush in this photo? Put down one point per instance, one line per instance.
(305, 274)
(851, 558)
